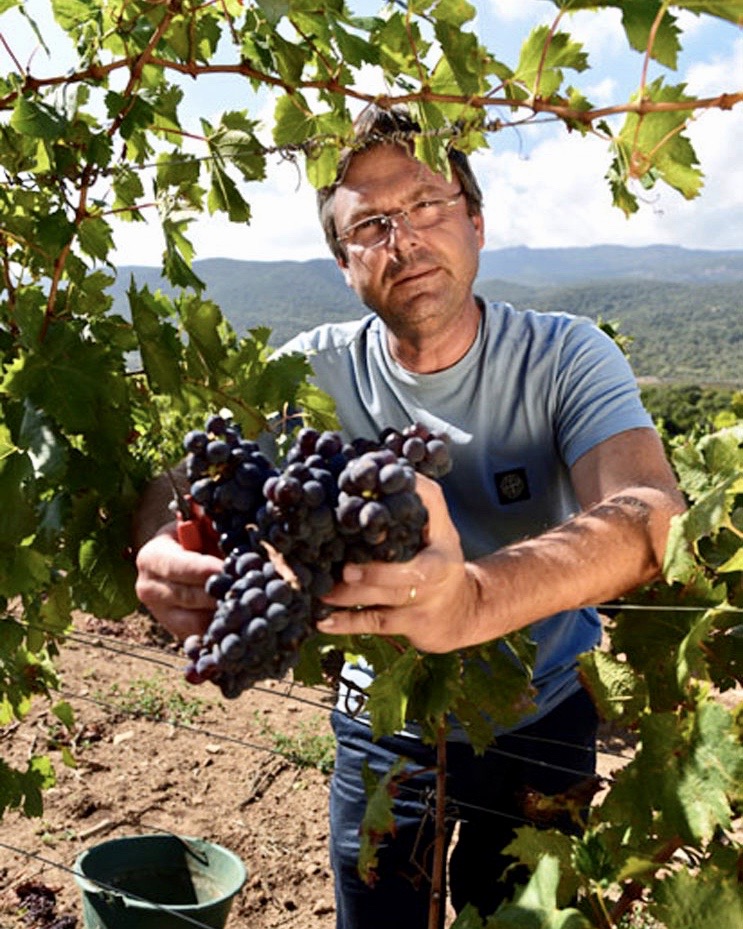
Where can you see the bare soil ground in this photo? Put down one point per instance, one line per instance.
(231, 772)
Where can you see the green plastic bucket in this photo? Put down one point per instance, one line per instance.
(157, 882)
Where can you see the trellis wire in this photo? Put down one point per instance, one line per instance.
(152, 655)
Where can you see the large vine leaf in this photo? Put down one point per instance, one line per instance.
(709, 899)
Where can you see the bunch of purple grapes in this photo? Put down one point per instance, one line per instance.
(257, 628)
(332, 503)
(226, 473)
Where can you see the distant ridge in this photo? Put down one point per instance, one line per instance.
(682, 307)
(549, 266)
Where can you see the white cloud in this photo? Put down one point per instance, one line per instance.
(519, 11)
(543, 186)
(554, 192)
(600, 31)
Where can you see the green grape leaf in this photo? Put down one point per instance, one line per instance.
(535, 906)
(38, 777)
(437, 687)
(730, 10)
(378, 820)
(462, 53)
(237, 144)
(734, 563)
(592, 858)
(56, 610)
(691, 470)
(95, 237)
(468, 918)
(289, 58)
(47, 453)
(621, 196)
(224, 197)
(355, 49)
(679, 563)
(707, 898)
(71, 14)
(454, 12)
(531, 844)
(617, 690)
(708, 514)
(651, 646)
(205, 326)
(723, 452)
(178, 256)
(64, 358)
(194, 37)
(542, 58)
(128, 188)
(274, 10)
(176, 169)
(322, 164)
(293, 120)
(23, 570)
(485, 705)
(64, 713)
(18, 521)
(37, 119)
(640, 21)
(690, 767)
(159, 345)
(389, 694)
(104, 582)
(654, 144)
(54, 232)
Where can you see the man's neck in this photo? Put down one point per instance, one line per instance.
(428, 352)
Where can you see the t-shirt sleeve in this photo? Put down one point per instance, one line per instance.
(597, 395)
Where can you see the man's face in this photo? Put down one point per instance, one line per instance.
(416, 281)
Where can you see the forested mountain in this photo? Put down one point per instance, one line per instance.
(683, 308)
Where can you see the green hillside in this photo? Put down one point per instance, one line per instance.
(680, 332)
(683, 309)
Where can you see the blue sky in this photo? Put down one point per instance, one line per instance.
(543, 186)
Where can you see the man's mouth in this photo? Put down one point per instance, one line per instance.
(413, 275)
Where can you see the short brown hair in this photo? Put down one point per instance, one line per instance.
(378, 126)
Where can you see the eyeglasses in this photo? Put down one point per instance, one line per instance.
(375, 230)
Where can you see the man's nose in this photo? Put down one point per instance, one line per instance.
(401, 232)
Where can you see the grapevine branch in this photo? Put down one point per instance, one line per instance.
(439, 835)
(536, 105)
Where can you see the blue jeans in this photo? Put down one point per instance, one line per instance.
(488, 795)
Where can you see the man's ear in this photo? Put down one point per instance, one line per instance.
(478, 221)
(345, 271)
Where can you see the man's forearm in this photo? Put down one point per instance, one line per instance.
(594, 557)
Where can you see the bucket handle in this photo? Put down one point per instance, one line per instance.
(199, 854)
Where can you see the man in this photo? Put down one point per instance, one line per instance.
(560, 497)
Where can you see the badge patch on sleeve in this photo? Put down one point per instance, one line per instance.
(512, 486)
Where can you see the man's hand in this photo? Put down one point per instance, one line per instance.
(440, 603)
(431, 600)
(170, 583)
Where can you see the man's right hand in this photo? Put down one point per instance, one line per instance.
(170, 583)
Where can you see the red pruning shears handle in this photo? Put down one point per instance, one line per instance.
(196, 532)
(194, 528)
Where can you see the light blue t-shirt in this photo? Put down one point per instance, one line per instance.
(533, 394)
